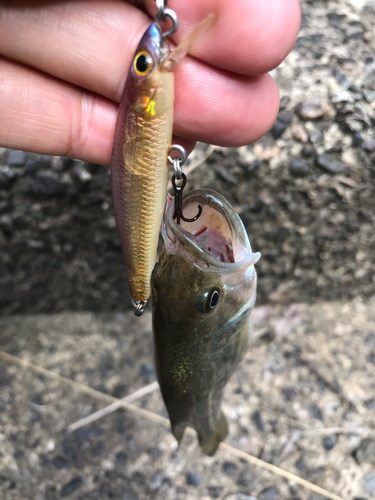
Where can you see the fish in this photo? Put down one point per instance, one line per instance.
(139, 165)
(203, 291)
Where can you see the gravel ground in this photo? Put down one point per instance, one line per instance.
(307, 197)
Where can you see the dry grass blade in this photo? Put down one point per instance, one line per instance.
(113, 407)
(27, 365)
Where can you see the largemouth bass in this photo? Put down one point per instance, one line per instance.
(141, 144)
(203, 290)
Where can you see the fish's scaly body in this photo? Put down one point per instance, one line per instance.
(139, 160)
(203, 290)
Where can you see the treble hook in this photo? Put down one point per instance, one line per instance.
(178, 200)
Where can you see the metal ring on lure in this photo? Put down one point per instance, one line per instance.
(181, 150)
(161, 5)
(139, 306)
(168, 14)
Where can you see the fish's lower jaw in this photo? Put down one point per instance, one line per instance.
(139, 306)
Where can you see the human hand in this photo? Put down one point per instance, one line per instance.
(63, 66)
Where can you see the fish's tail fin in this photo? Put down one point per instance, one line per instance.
(178, 432)
(210, 443)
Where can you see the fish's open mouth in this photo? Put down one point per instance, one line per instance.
(217, 238)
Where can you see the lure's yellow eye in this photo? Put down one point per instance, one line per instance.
(143, 63)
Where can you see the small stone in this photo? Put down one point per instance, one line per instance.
(365, 452)
(284, 101)
(369, 144)
(330, 164)
(32, 166)
(370, 404)
(60, 462)
(316, 136)
(299, 133)
(256, 417)
(214, 491)
(47, 184)
(16, 158)
(286, 118)
(278, 129)
(120, 390)
(307, 151)
(299, 168)
(266, 148)
(341, 78)
(68, 488)
(329, 443)
(243, 496)
(315, 108)
(246, 477)
(157, 480)
(270, 493)
(368, 483)
(7, 176)
(315, 411)
(369, 96)
(357, 139)
(226, 175)
(129, 494)
(194, 479)
(369, 60)
(147, 372)
(80, 172)
(288, 393)
(121, 457)
(230, 468)
(342, 96)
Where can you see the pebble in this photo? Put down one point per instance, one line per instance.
(147, 372)
(230, 468)
(278, 129)
(330, 164)
(47, 184)
(243, 496)
(226, 175)
(315, 411)
(342, 96)
(369, 96)
(288, 393)
(60, 462)
(121, 457)
(370, 404)
(286, 118)
(194, 479)
(129, 494)
(7, 176)
(299, 168)
(316, 136)
(266, 148)
(214, 491)
(16, 158)
(365, 452)
(315, 108)
(329, 443)
(246, 477)
(80, 172)
(341, 78)
(299, 133)
(284, 101)
(368, 483)
(68, 488)
(369, 144)
(357, 139)
(256, 417)
(308, 151)
(270, 493)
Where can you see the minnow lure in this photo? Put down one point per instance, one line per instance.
(203, 290)
(141, 145)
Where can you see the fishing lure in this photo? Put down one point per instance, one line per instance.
(141, 146)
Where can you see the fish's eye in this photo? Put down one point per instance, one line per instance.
(208, 300)
(143, 63)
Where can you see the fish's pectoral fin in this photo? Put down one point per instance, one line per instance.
(210, 444)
